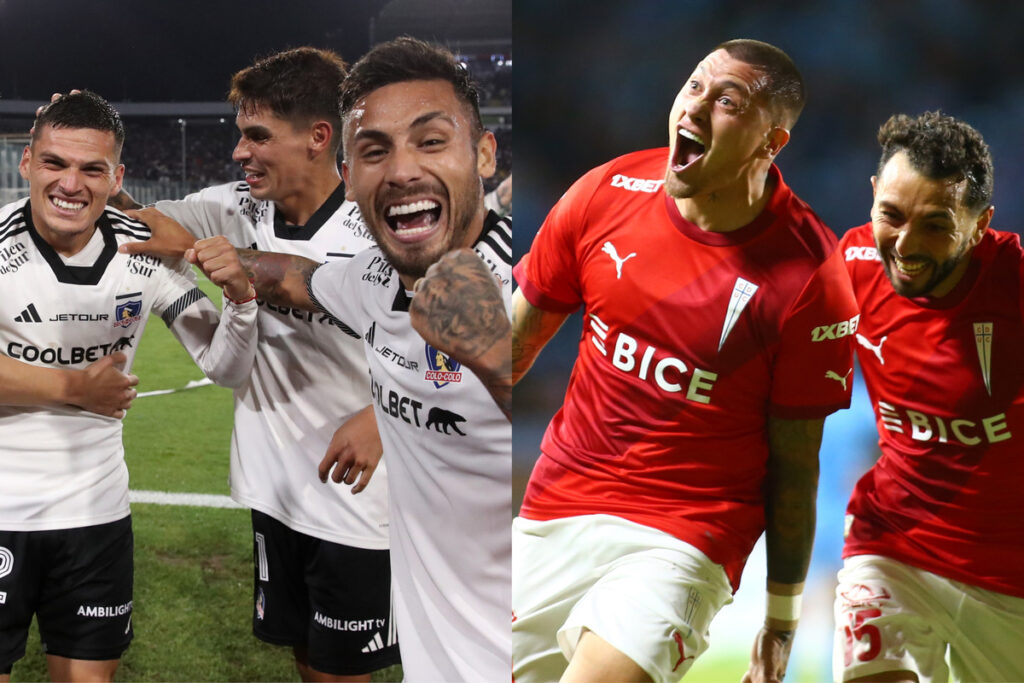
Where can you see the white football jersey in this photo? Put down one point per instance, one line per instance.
(449, 453)
(64, 467)
(310, 374)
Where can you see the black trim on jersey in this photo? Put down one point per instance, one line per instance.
(497, 234)
(123, 225)
(184, 301)
(402, 300)
(13, 225)
(306, 232)
(316, 302)
(75, 275)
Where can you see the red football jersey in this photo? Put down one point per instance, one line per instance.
(947, 385)
(691, 340)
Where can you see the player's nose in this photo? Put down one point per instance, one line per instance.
(403, 166)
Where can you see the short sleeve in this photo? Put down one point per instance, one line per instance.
(813, 372)
(549, 274)
(202, 213)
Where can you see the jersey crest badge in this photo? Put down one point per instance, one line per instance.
(442, 369)
(983, 340)
(128, 309)
(742, 293)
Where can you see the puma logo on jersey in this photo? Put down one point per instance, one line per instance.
(609, 249)
(742, 292)
(830, 374)
(877, 350)
(983, 340)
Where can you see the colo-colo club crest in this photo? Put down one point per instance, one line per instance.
(442, 369)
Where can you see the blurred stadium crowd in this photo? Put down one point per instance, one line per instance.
(174, 155)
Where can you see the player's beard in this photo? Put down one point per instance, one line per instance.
(413, 260)
(940, 271)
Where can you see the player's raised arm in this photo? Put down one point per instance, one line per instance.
(169, 238)
(280, 278)
(458, 309)
(102, 387)
(532, 329)
(791, 487)
(223, 344)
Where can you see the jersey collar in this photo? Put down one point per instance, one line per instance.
(284, 231)
(75, 275)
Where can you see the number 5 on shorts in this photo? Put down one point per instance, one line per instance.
(860, 631)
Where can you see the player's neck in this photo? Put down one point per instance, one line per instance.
(731, 207)
(310, 194)
(66, 245)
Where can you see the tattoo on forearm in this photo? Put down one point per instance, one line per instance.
(792, 484)
(278, 278)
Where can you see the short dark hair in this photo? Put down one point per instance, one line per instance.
(940, 146)
(298, 85)
(83, 109)
(784, 86)
(410, 59)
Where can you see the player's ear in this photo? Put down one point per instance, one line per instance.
(981, 225)
(26, 158)
(775, 140)
(320, 136)
(486, 155)
(348, 185)
(874, 185)
(118, 179)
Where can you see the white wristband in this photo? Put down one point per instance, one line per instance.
(783, 607)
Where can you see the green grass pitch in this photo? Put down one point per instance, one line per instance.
(193, 566)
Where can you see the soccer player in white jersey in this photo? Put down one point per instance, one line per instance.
(321, 572)
(71, 299)
(438, 349)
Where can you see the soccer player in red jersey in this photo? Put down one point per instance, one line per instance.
(717, 337)
(934, 555)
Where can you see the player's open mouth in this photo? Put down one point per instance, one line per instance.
(66, 206)
(252, 177)
(909, 268)
(688, 148)
(413, 221)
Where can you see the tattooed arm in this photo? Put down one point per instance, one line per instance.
(791, 487)
(280, 278)
(532, 328)
(458, 309)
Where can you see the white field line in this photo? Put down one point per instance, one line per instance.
(201, 500)
(204, 500)
(191, 385)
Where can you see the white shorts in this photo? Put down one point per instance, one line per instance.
(890, 617)
(648, 594)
